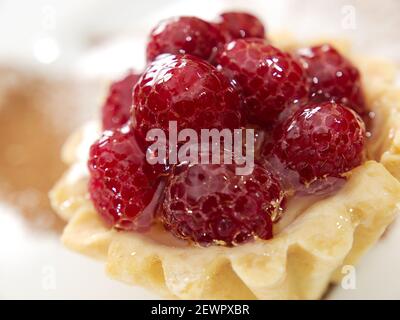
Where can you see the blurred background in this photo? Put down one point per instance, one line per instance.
(56, 61)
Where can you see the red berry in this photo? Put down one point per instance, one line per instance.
(116, 109)
(236, 25)
(271, 81)
(185, 89)
(184, 35)
(333, 78)
(210, 204)
(123, 186)
(317, 145)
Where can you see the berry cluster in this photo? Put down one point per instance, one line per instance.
(307, 108)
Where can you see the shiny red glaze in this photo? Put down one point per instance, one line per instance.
(210, 204)
(117, 108)
(236, 25)
(182, 35)
(271, 81)
(124, 188)
(317, 146)
(332, 77)
(185, 89)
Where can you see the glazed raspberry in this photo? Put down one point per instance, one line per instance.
(122, 186)
(236, 25)
(210, 204)
(185, 89)
(332, 77)
(116, 109)
(271, 81)
(317, 145)
(184, 35)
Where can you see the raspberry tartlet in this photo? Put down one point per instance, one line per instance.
(322, 190)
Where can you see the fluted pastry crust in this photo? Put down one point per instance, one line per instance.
(298, 263)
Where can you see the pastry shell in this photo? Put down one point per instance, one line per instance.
(298, 263)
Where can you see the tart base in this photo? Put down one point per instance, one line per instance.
(298, 263)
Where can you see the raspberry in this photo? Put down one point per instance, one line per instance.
(318, 145)
(236, 25)
(333, 78)
(124, 188)
(184, 35)
(185, 89)
(271, 81)
(116, 109)
(210, 204)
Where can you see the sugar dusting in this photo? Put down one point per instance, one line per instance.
(36, 115)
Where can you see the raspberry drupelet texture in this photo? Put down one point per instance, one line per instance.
(318, 145)
(182, 35)
(210, 204)
(124, 188)
(117, 108)
(185, 89)
(272, 82)
(332, 77)
(236, 25)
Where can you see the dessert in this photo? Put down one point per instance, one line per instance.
(322, 189)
